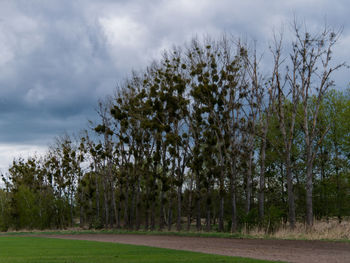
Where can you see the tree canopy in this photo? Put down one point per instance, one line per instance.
(202, 138)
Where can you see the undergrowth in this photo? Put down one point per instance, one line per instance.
(322, 230)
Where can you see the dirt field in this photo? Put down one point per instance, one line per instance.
(283, 250)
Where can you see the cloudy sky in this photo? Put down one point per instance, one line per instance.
(58, 57)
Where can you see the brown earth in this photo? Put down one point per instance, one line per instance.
(279, 250)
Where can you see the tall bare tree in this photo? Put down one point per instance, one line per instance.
(312, 69)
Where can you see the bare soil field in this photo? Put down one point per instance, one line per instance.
(279, 250)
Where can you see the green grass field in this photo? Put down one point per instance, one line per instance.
(26, 249)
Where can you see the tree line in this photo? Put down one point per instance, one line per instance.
(206, 138)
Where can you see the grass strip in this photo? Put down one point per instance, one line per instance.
(19, 249)
(166, 233)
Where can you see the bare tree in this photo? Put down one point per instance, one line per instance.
(259, 101)
(286, 116)
(311, 61)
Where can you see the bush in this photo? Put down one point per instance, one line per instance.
(273, 219)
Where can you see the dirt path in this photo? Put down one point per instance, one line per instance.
(283, 250)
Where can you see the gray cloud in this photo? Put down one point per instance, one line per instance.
(57, 58)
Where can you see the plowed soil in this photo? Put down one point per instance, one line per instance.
(279, 250)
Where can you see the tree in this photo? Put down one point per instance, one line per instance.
(311, 63)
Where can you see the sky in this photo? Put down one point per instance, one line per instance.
(59, 57)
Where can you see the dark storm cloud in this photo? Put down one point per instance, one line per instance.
(54, 67)
(57, 58)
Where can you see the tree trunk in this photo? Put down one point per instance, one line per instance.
(198, 205)
(338, 183)
(126, 206)
(262, 178)
(147, 218)
(233, 199)
(233, 209)
(208, 221)
(82, 209)
(118, 215)
(249, 183)
(153, 222)
(137, 211)
(147, 209)
(338, 197)
(189, 210)
(97, 198)
(161, 210)
(221, 213)
(233, 171)
(309, 190)
(132, 208)
(170, 215)
(291, 204)
(323, 190)
(71, 208)
(162, 192)
(114, 205)
(179, 204)
(106, 206)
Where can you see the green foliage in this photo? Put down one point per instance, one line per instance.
(5, 217)
(26, 209)
(273, 219)
(250, 220)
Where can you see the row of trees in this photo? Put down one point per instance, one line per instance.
(204, 134)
